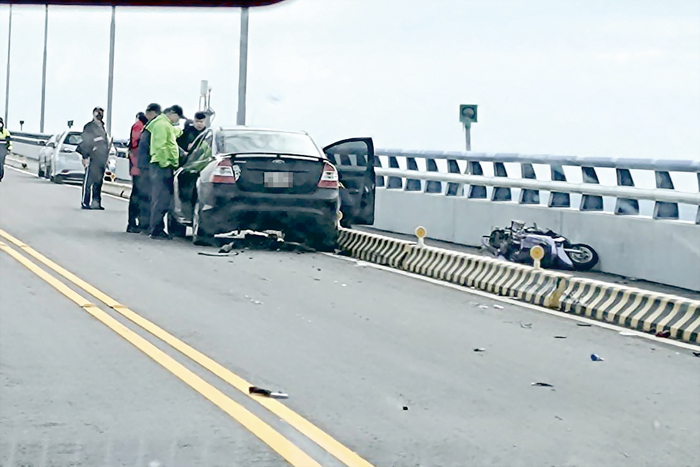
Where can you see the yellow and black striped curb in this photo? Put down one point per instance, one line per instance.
(373, 248)
(624, 306)
(491, 275)
(633, 308)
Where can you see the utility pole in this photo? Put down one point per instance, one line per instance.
(243, 67)
(7, 79)
(110, 84)
(43, 72)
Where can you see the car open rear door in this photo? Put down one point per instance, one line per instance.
(354, 159)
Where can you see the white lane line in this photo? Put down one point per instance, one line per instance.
(498, 298)
(530, 306)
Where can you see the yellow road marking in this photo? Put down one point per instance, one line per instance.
(259, 428)
(308, 429)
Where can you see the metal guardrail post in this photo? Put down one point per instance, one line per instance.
(476, 191)
(626, 206)
(662, 209)
(558, 199)
(591, 202)
(527, 195)
(500, 193)
(394, 182)
(432, 186)
(378, 179)
(454, 189)
(412, 184)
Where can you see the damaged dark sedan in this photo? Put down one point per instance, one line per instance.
(241, 178)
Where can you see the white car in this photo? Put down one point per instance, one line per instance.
(59, 161)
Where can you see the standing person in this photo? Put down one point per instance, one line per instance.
(192, 130)
(135, 203)
(144, 164)
(5, 146)
(95, 151)
(165, 157)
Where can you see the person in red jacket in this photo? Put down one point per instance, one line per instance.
(139, 211)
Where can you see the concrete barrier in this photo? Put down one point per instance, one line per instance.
(630, 307)
(633, 308)
(666, 252)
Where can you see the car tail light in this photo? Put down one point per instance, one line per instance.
(329, 177)
(223, 172)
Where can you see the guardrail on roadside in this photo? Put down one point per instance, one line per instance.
(449, 173)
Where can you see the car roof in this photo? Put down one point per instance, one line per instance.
(247, 128)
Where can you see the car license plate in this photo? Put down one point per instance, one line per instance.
(278, 179)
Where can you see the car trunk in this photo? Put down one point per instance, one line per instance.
(278, 173)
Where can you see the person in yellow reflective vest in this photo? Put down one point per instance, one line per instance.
(5, 146)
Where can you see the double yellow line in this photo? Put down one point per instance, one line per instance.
(285, 448)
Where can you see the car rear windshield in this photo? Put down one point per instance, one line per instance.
(264, 142)
(73, 138)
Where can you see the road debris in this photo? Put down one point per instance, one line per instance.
(558, 417)
(484, 307)
(584, 325)
(560, 337)
(405, 407)
(267, 240)
(597, 358)
(526, 325)
(267, 393)
(498, 307)
(480, 349)
(665, 333)
(542, 385)
(628, 333)
(697, 354)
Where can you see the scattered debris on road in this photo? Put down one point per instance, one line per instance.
(597, 358)
(267, 240)
(526, 325)
(542, 385)
(405, 407)
(267, 393)
(484, 307)
(558, 417)
(584, 325)
(666, 334)
(560, 337)
(498, 307)
(628, 333)
(480, 349)
(697, 354)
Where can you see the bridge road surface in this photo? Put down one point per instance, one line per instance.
(351, 345)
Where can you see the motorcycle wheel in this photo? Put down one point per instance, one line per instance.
(583, 256)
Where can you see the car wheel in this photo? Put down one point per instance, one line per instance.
(199, 235)
(175, 229)
(40, 171)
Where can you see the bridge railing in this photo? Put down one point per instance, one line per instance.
(524, 179)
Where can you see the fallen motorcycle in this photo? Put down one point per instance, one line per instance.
(515, 242)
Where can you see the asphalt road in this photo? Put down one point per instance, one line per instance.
(381, 362)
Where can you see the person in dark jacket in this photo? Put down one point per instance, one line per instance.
(192, 130)
(143, 163)
(136, 199)
(95, 151)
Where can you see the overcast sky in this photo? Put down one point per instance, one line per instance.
(601, 78)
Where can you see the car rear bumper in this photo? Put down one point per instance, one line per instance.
(226, 209)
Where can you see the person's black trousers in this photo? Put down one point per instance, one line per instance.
(161, 197)
(92, 184)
